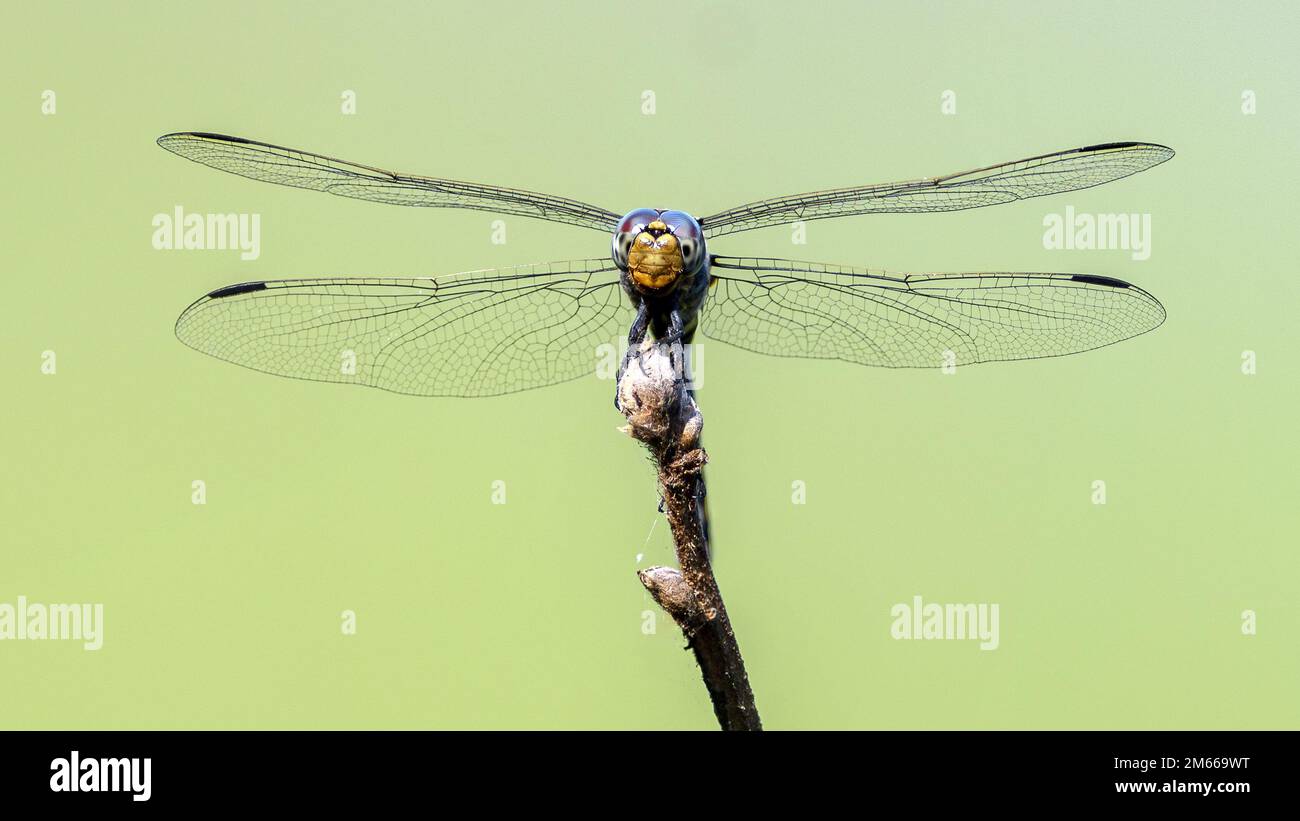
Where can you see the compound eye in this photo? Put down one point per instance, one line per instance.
(634, 222)
(690, 253)
(682, 224)
(689, 235)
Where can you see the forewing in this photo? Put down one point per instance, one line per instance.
(482, 333)
(302, 169)
(1007, 182)
(806, 309)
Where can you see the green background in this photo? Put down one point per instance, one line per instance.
(974, 487)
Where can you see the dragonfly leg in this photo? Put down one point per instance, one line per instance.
(635, 336)
(676, 330)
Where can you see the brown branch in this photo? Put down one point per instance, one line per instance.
(663, 416)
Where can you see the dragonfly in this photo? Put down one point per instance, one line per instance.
(500, 331)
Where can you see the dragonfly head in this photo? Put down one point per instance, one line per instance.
(656, 248)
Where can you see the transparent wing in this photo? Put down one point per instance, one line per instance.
(301, 169)
(806, 309)
(1033, 177)
(481, 333)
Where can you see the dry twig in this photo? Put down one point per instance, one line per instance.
(663, 416)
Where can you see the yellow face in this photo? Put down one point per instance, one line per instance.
(655, 259)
